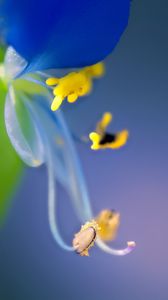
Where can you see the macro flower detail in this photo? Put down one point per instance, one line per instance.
(108, 221)
(103, 228)
(46, 140)
(85, 238)
(104, 140)
(70, 35)
(74, 85)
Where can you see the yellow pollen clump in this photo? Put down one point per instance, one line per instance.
(108, 221)
(74, 85)
(104, 122)
(103, 140)
(96, 70)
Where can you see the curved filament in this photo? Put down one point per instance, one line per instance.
(73, 178)
(70, 169)
(118, 252)
(51, 181)
(52, 207)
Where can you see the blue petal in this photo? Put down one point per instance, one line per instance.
(64, 33)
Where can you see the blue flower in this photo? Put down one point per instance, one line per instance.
(64, 33)
(58, 34)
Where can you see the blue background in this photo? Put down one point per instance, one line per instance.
(132, 180)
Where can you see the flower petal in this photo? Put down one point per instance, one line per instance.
(63, 33)
(22, 130)
(14, 64)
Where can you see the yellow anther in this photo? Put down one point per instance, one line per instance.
(96, 70)
(85, 238)
(71, 86)
(72, 97)
(95, 138)
(104, 122)
(56, 103)
(91, 223)
(103, 140)
(52, 81)
(108, 221)
(74, 85)
(121, 139)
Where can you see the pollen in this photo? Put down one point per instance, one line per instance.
(85, 238)
(108, 221)
(95, 71)
(74, 85)
(101, 139)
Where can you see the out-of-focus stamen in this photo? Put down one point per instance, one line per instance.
(108, 221)
(104, 140)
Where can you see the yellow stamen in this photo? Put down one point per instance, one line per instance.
(108, 221)
(102, 140)
(52, 81)
(121, 139)
(72, 98)
(95, 138)
(104, 122)
(74, 85)
(56, 103)
(96, 70)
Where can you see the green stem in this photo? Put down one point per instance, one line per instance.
(10, 165)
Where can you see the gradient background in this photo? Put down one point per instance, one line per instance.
(132, 180)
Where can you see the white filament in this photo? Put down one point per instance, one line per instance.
(52, 207)
(76, 184)
(118, 252)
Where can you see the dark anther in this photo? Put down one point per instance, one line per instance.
(108, 138)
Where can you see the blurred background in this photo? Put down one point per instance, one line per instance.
(132, 180)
